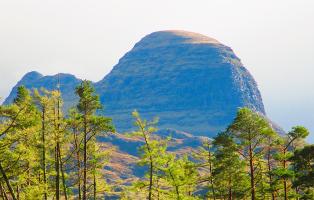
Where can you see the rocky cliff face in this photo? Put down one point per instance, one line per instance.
(191, 82)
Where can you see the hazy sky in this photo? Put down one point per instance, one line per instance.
(273, 38)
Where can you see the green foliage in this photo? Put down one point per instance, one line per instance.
(18, 143)
(88, 102)
(303, 161)
(285, 171)
(46, 155)
(250, 131)
(91, 127)
(298, 132)
(229, 169)
(168, 176)
(181, 175)
(151, 154)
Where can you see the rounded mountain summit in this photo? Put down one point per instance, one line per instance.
(192, 82)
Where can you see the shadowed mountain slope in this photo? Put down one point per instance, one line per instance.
(191, 82)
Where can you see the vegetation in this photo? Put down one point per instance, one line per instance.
(48, 155)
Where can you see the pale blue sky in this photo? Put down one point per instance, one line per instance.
(273, 38)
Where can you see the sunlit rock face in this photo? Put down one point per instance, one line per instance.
(191, 82)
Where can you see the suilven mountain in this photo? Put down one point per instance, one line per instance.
(192, 82)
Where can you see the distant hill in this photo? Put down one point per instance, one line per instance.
(193, 83)
(34, 80)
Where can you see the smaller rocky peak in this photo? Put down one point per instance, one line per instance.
(33, 75)
(63, 77)
(33, 79)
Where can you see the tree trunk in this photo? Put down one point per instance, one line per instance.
(230, 190)
(63, 178)
(58, 151)
(151, 166)
(211, 175)
(177, 192)
(285, 188)
(252, 173)
(284, 180)
(151, 169)
(3, 193)
(269, 173)
(7, 182)
(78, 164)
(57, 171)
(85, 158)
(43, 130)
(158, 192)
(94, 173)
(79, 173)
(230, 193)
(95, 186)
(17, 192)
(150, 179)
(293, 165)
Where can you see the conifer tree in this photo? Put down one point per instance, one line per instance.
(74, 125)
(57, 137)
(44, 106)
(180, 174)
(150, 152)
(285, 172)
(53, 140)
(303, 161)
(205, 155)
(16, 148)
(272, 145)
(229, 171)
(250, 130)
(92, 125)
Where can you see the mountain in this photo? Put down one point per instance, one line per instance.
(192, 82)
(34, 80)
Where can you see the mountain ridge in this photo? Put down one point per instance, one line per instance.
(192, 82)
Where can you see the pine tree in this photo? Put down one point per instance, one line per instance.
(303, 161)
(229, 171)
(92, 124)
(44, 105)
(74, 125)
(150, 153)
(17, 139)
(286, 172)
(180, 174)
(250, 131)
(205, 156)
(272, 145)
(53, 140)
